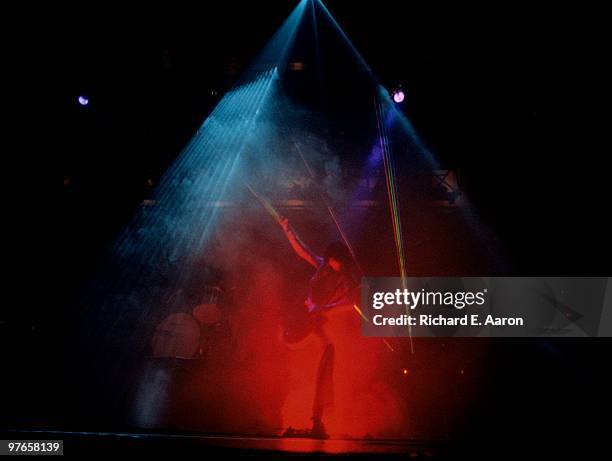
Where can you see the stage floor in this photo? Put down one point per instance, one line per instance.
(83, 443)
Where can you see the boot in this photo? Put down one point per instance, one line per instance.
(318, 429)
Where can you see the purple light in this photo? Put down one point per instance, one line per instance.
(83, 100)
(398, 96)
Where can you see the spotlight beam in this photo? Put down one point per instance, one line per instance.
(181, 220)
(347, 41)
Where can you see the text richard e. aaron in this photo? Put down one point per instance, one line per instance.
(403, 307)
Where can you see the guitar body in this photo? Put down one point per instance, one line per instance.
(300, 328)
(297, 327)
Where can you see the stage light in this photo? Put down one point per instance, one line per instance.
(296, 65)
(83, 100)
(398, 96)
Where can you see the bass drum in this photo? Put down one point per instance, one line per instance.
(178, 336)
(207, 314)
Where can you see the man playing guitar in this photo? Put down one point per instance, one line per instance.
(332, 287)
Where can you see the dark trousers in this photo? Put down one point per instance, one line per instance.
(324, 391)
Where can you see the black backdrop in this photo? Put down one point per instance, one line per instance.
(510, 96)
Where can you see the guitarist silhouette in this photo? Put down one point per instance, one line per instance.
(331, 287)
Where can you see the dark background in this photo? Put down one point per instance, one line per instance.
(510, 96)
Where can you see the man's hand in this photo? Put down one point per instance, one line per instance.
(300, 248)
(312, 307)
(284, 223)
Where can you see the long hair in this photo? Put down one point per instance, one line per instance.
(340, 252)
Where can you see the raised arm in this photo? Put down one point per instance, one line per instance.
(298, 246)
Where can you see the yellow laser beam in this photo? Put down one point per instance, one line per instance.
(363, 316)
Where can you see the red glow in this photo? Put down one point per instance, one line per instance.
(257, 382)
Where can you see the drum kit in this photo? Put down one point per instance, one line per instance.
(187, 335)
